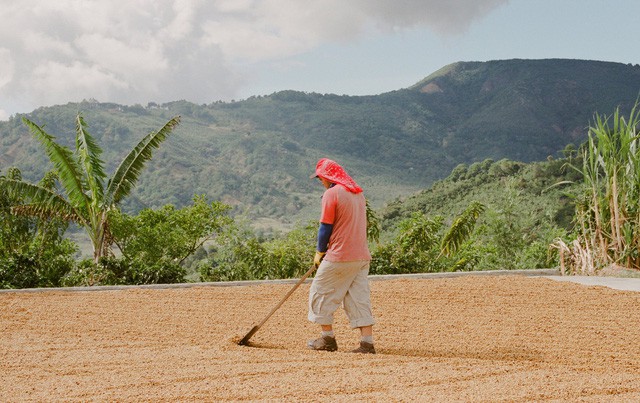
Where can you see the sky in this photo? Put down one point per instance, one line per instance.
(140, 51)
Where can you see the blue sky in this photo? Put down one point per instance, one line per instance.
(140, 51)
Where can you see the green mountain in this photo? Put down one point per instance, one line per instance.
(257, 154)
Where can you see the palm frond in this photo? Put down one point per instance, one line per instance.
(461, 229)
(373, 224)
(64, 163)
(13, 173)
(129, 171)
(43, 212)
(49, 180)
(41, 202)
(557, 184)
(89, 157)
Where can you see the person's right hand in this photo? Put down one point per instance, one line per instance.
(317, 259)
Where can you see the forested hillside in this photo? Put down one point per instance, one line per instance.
(539, 190)
(526, 207)
(257, 154)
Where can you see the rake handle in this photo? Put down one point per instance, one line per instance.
(253, 330)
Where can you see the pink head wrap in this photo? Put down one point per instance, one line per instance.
(333, 172)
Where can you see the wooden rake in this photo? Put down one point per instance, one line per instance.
(245, 339)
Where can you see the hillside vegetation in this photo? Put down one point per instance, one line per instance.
(256, 154)
(486, 215)
(526, 208)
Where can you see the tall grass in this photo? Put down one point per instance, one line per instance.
(607, 213)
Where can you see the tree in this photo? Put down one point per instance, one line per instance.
(165, 237)
(242, 255)
(424, 244)
(459, 172)
(570, 151)
(33, 251)
(86, 199)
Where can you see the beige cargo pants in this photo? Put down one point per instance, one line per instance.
(337, 283)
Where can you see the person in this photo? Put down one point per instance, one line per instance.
(342, 258)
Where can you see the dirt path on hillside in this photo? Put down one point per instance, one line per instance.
(473, 338)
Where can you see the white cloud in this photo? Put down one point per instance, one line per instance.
(6, 67)
(76, 80)
(129, 60)
(445, 17)
(135, 51)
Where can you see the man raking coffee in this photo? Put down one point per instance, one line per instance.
(342, 258)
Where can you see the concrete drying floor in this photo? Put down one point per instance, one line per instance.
(470, 338)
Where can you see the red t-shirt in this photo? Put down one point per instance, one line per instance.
(347, 212)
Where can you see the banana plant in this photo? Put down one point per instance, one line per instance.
(87, 196)
(461, 229)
